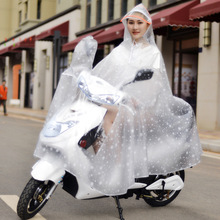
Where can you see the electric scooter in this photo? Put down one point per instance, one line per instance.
(69, 129)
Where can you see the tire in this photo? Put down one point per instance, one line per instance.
(156, 198)
(33, 198)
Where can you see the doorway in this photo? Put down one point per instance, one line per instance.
(28, 90)
(42, 78)
(16, 81)
(185, 70)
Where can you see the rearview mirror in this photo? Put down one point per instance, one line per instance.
(143, 74)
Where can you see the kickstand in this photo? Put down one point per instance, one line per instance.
(120, 209)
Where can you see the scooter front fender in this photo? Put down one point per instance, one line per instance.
(44, 170)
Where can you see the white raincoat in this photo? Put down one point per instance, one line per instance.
(158, 136)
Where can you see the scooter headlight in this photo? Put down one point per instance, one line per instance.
(55, 128)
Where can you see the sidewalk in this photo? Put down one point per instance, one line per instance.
(210, 140)
(26, 113)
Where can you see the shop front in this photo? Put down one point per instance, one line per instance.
(181, 58)
(208, 95)
(194, 29)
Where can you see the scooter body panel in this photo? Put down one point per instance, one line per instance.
(60, 146)
(170, 183)
(86, 192)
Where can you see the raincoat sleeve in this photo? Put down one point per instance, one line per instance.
(147, 92)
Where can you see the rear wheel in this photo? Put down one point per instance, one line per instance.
(34, 196)
(158, 198)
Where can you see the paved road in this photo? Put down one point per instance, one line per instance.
(199, 200)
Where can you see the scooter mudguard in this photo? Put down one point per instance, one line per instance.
(170, 183)
(44, 170)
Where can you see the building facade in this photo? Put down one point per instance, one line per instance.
(30, 48)
(40, 37)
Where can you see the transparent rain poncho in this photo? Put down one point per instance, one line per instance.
(153, 132)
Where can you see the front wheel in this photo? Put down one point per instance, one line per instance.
(34, 196)
(158, 198)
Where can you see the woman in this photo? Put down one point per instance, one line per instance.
(151, 133)
(160, 136)
(137, 25)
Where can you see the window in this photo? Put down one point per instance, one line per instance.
(110, 10)
(26, 10)
(153, 3)
(38, 9)
(19, 17)
(99, 12)
(138, 2)
(88, 13)
(185, 70)
(63, 64)
(124, 7)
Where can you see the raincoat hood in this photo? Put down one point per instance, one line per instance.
(148, 36)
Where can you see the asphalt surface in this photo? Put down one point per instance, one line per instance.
(199, 199)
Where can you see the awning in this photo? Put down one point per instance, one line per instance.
(113, 33)
(7, 51)
(72, 44)
(206, 11)
(63, 28)
(25, 44)
(176, 16)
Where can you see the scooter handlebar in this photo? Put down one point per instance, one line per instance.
(98, 90)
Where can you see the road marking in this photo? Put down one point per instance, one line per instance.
(211, 155)
(12, 201)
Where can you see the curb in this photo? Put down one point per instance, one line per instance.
(26, 114)
(211, 145)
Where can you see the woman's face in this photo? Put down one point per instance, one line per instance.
(137, 28)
